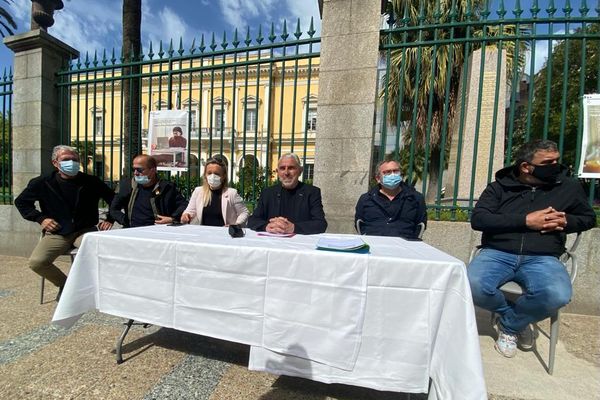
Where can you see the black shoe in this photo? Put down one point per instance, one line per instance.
(60, 289)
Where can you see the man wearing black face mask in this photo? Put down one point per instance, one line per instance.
(524, 216)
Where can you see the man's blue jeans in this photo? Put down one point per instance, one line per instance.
(546, 283)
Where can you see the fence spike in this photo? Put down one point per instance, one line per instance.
(298, 32)
(202, 46)
(150, 52)
(95, 61)
(535, 9)
(213, 44)
(437, 12)
(260, 37)
(567, 9)
(104, 60)
(87, 60)
(141, 56)
(501, 9)
(272, 36)
(193, 46)
(132, 54)
(485, 13)
(161, 52)
(583, 8)
(235, 42)
(224, 43)
(180, 51)
(4, 74)
(551, 8)
(171, 51)
(518, 10)
(248, 40)
(311, 29)
(113, 59)
(284, 34)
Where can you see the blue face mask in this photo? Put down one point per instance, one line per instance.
(141, 179)
(69, 167)
(391, 181)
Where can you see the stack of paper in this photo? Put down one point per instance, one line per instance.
(275, 234)
(353, 244)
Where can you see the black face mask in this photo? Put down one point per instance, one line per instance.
(546, 173)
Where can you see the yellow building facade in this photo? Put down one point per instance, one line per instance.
(240, 111)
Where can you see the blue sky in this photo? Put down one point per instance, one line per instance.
(89, 25)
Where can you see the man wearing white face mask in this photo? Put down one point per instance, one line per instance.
(393, 208)
(68, 201)
(214, 203)
(146, 199)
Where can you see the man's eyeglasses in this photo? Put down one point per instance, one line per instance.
(138, 170)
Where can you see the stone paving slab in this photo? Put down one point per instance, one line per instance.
(39, 361)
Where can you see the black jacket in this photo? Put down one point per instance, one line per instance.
(503, 206)
(46, 191)
(308, 217)
(376, 221)
(166, 200)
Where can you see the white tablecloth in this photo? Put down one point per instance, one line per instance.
(387, 320)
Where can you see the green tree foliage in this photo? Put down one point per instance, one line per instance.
(423, 82)
(251, 179)
(7, 23)
(553, 122)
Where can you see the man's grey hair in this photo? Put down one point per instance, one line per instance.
(62, 147)
(526, 152)
(291, 155)
(384, 161)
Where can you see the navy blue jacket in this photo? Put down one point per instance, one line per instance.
(376, 221)
(308, 217)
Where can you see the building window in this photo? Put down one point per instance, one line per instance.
(97, 121)
(311, 122)
(193, 123)
(308, 172)
(251, 114)
(219, 121)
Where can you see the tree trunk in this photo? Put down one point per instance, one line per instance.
(433, 175)
(132, 43)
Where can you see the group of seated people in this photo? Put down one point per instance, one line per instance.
(524, 216)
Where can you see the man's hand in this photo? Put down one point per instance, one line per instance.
(50, 225)
(280, 225)
(105, 225)
(162, 219)
(546, 220)
(185, 218)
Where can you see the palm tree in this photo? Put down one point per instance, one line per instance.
(7, 23)
(423, 82)
(132, 43)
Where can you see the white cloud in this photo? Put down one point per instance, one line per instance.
(238, 12)
(305, 10)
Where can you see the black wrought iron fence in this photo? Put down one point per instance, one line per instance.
(6, 90)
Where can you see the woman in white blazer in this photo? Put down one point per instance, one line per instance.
(214, 203)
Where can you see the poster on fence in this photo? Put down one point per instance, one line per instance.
(589, 163)
(168, 139)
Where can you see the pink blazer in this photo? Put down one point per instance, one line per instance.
(233, 208)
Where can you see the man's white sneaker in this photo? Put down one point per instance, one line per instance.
(506, 344)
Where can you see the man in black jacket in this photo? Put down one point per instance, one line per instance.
(524, 216)
(289, 206)
(146, 200)
(393, 208)
(68, 202)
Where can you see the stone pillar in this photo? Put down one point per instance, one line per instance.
(346, 108)
(38, 56)
(485, 147)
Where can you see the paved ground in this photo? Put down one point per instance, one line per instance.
(39, 361)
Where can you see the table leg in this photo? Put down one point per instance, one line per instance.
(120, 341)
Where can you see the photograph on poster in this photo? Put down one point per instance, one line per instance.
(168, 138)
(589, 164)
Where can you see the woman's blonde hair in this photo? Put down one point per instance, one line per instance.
(206, 193)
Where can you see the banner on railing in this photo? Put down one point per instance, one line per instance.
(589, 164)
(168, 139)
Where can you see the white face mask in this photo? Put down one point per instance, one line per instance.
(214, 181)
